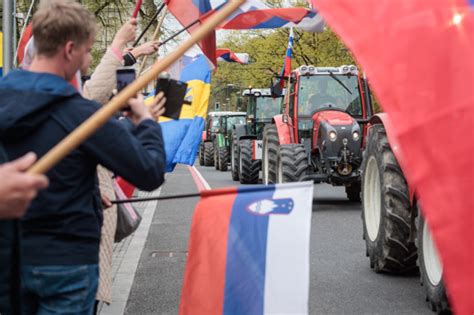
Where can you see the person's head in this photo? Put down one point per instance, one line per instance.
(64, 31)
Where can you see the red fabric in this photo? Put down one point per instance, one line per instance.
(419, 57)
(203, 284)
(23, 42)
(126, 187)
(186, 12)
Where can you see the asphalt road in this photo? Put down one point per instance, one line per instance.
(341, 280)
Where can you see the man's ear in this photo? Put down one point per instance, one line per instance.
(68, 50)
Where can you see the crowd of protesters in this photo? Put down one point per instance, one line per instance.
(56, 231)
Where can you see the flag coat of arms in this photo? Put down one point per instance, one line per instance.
(249, 251)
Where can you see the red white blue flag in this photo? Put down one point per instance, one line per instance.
(252, 14)
(419, 57)
(286, 70)
(228, 55)
(249, 251)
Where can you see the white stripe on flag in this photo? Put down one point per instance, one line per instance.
(287, 261)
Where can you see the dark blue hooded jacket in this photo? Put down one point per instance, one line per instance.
(62, 225)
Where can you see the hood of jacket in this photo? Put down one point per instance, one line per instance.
(26, 100)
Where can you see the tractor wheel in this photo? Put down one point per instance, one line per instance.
(292, 163)
(248, 168)
(431, 270)
(234, 158)
(269, 154)
(208, 154)
(201, 154)
(223, 159)
(216, 155)
(353, 192)
(387, 212)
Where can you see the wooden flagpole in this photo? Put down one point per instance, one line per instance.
(156, 36)
(88, 127)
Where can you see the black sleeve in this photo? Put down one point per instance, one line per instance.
(138, 155)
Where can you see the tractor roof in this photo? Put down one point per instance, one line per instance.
(257, 92)
(312, 70)
(226, 114)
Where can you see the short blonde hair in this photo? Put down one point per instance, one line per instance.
(58, 21)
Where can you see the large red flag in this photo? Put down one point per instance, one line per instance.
(419, 56)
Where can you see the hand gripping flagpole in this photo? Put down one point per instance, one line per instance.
(88, 127)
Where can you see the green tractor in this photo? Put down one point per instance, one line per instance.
(211, 129)
(221, 141)
(246, 145)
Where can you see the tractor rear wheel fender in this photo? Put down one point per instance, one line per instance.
(248, 167)
(292, 163)
(270, 144)
(387, 212)
(431, 270)
(283, 129)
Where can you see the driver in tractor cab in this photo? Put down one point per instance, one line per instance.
(321, 98)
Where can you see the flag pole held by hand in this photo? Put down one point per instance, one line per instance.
(88, 127)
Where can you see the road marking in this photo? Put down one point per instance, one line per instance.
(199, 180)
(123, 280)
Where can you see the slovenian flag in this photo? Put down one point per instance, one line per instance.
(286, 70)
(249, 251)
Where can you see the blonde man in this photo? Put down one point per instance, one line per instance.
(61, 229)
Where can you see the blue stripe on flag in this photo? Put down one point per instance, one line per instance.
(471, 2)
(246, 254)
(173, 133)
(187, 151)
(274, 22)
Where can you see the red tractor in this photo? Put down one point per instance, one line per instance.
(320, 135)
(397, 238)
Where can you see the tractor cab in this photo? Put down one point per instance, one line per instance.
(319, 95)
(260, 109)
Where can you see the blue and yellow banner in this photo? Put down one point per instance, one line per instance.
(182, 137)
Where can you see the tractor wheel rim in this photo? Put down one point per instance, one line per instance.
(372, 199)
(433, 266)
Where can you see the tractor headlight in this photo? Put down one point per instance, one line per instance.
(332, 135)
(355, 136)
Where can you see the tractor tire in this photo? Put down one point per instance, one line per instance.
(208, 154)
(248, 168)
(201, 154)
(353, 192)
(269, 154)
(431, 270)
(234, 158)
(292, 163)
(387, 214)
(223, 159)
(216, 155)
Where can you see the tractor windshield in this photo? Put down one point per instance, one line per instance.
(267, 107)
(214, 124)
(322, 91)
(235, 120)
